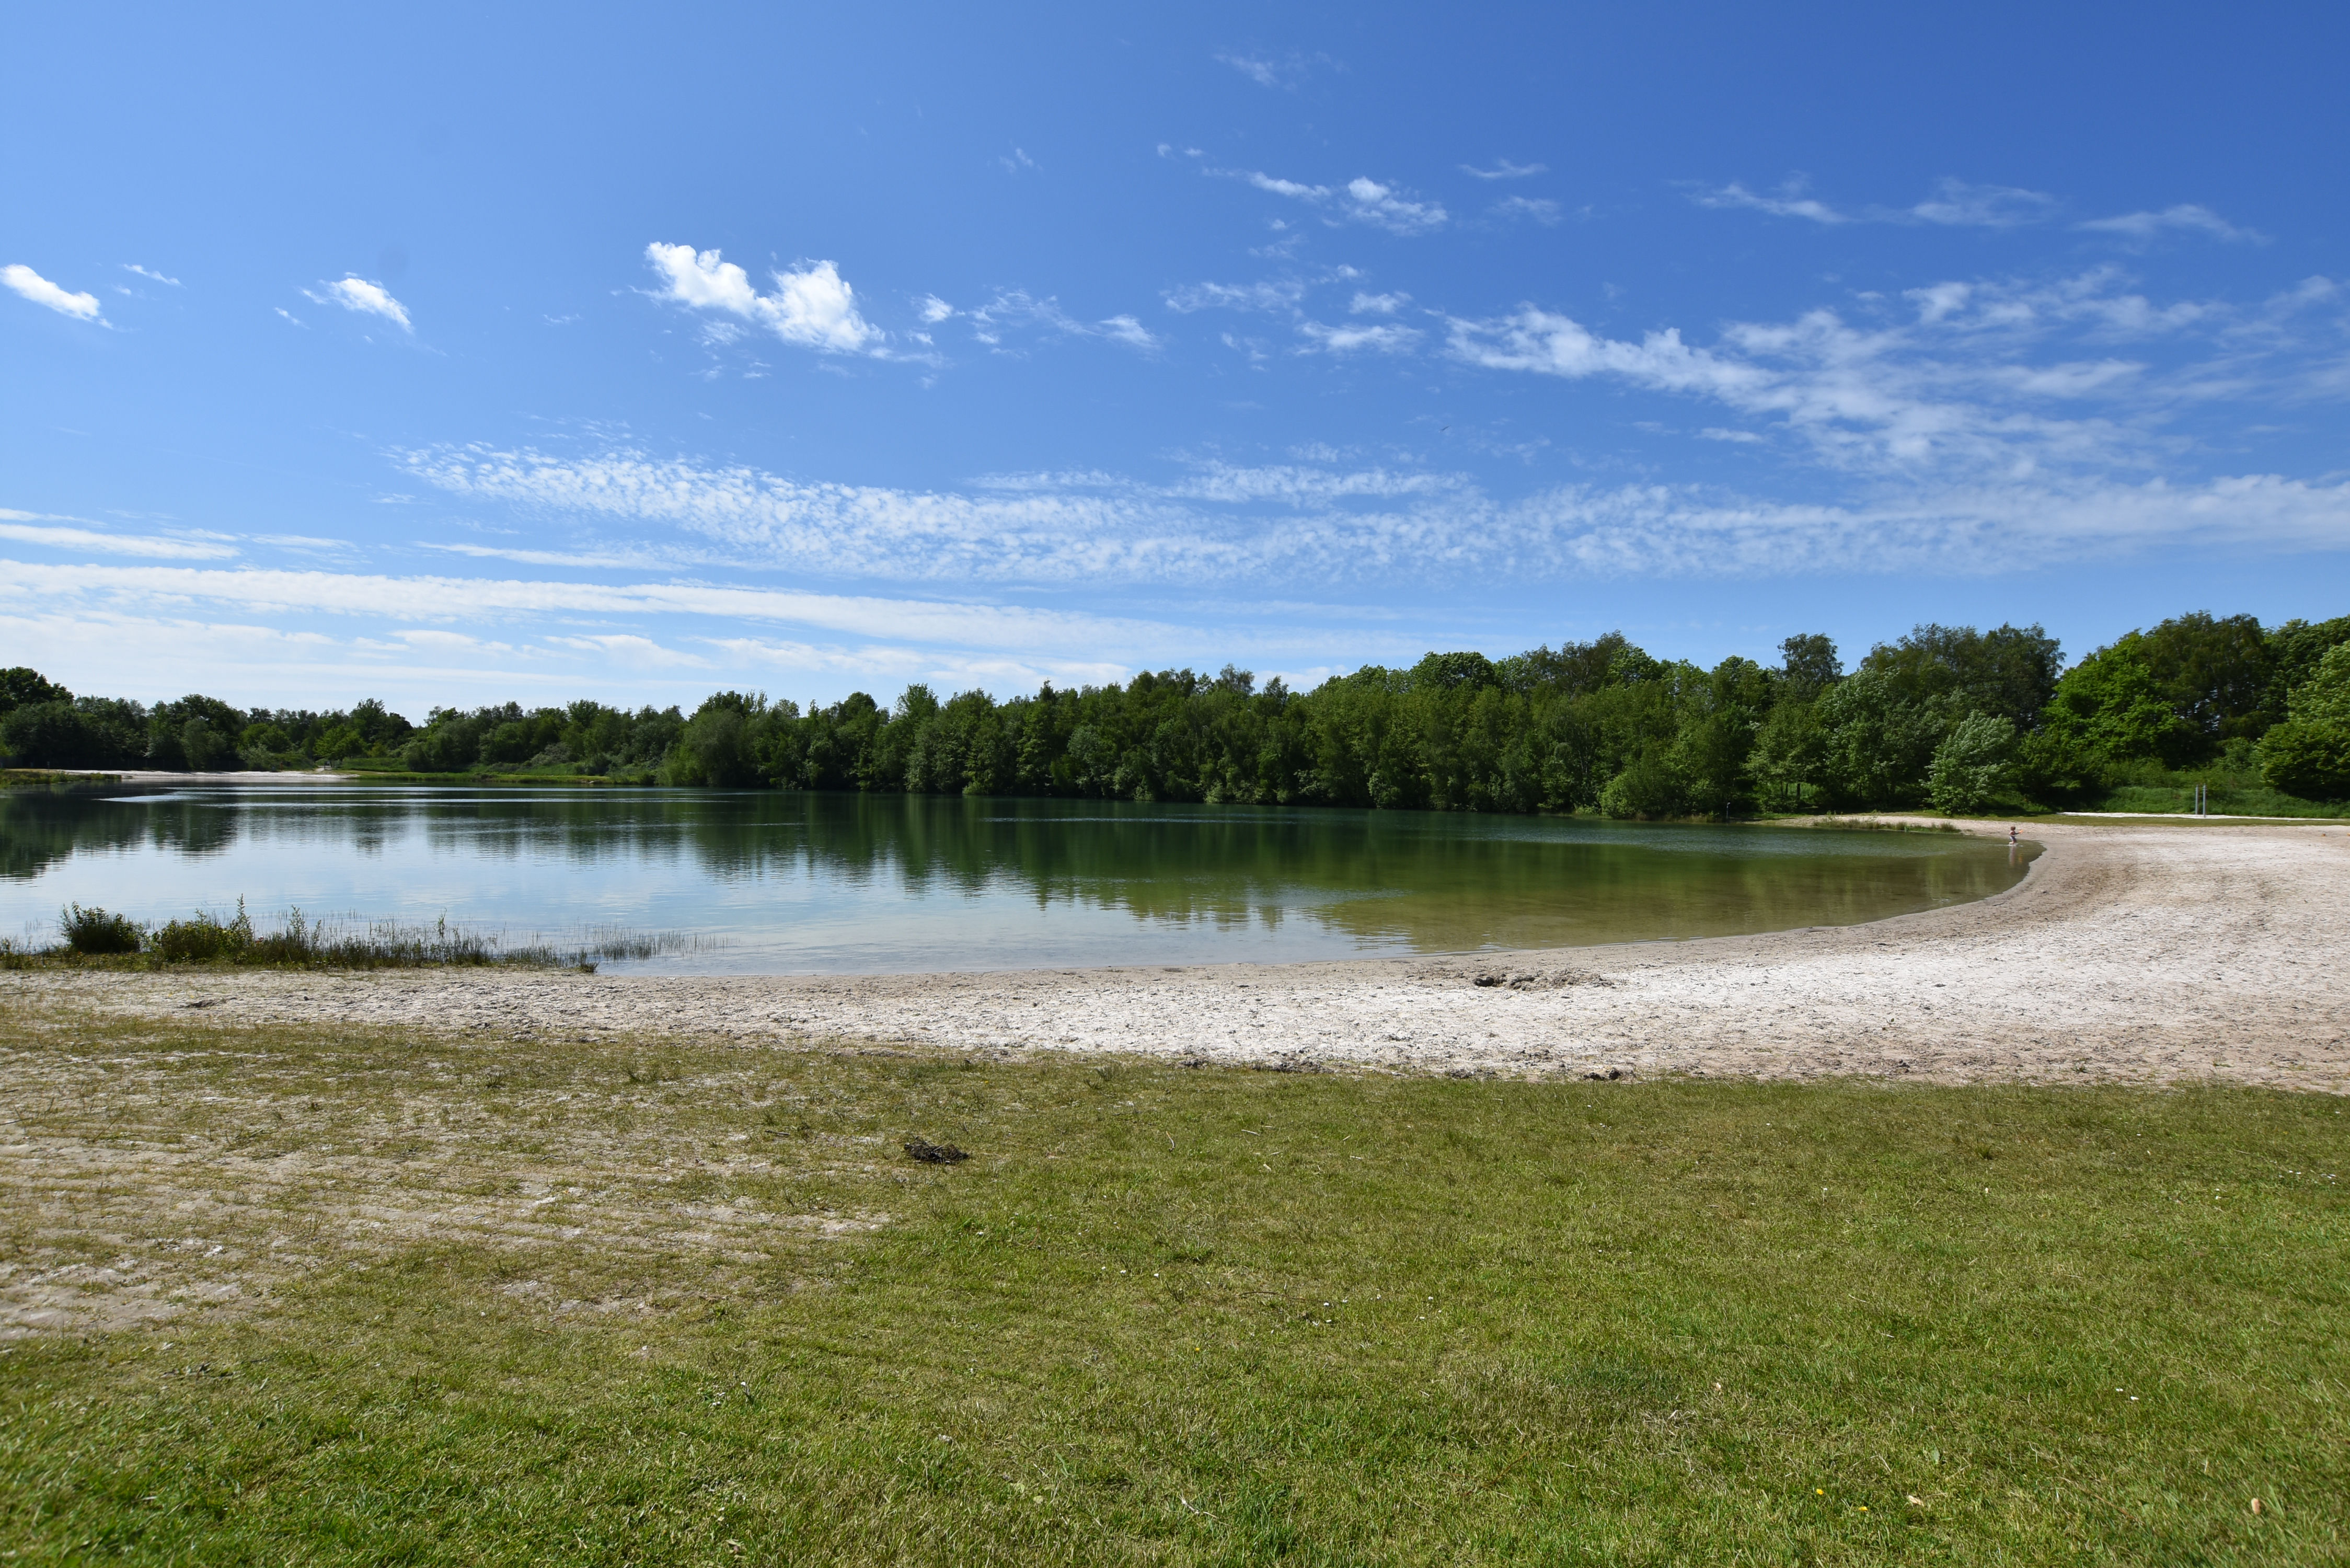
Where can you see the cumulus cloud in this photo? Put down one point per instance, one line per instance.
(41, 291)
(357, 294)
(814, 306)
(2186, 215)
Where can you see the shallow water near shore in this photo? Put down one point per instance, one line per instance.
(812, 884)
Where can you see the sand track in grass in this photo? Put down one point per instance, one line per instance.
(139, 1184)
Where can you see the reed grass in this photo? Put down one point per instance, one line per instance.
(100, 938)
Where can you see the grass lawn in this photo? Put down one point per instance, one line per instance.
(546, 1301)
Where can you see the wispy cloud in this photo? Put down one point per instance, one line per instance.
(32, 285)
(813, 307)
(1272, 71)
(1504, 169)
(1788, 201)
(1540, 208)
(1955, 203)
(1362, 200)
(37, 528)
(435, 601)
(1984, 379)
(1382, 338)
(2186, 215)
(1377, 303)
(1275, 295)
(151, 275)
(1017, 308)
(357, 294)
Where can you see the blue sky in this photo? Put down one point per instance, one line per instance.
(636, 353)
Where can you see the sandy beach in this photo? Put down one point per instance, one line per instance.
(2132, 952)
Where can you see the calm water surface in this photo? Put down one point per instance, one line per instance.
(829, 884)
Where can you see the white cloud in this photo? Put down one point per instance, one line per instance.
(1016, 307)
(2186, 215)
(1955, 205)
(1789, 203)
(290, 316)
(355, 292)
(932, 309)
(1126, 329)
(1961, 205)
(146, 273)
(1368, 201)
(1540, 208)
(1987, 379)
(1288, 187)
(814, 306)
(1268, 72)
(1362, 200)
(1384, 338)
(1260, 71)
(1504, 169)
(1275, 295)
(1378, 304)
(478, 601)
(37, 528)
(628, 648)
(41, 291)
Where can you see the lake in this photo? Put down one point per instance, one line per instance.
(798, 884)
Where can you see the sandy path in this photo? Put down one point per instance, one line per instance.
(2133, 953)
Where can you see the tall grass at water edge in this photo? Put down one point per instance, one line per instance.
(90, 934)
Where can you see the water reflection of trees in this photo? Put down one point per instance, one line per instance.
(1458, 881)
(40, 827)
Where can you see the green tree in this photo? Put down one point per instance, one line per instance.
(24, 687)
(1877, 743)
(1970, 768)
(2110, 709)
(2309, 753)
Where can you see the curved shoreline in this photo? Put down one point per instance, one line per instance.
(2126, 954)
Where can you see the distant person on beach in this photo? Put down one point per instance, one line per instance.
(2010, 836)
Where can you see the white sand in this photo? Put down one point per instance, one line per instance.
(2135, 952)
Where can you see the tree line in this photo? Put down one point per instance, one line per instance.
(1953, 717)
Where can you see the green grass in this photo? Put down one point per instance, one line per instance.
(571, 1300)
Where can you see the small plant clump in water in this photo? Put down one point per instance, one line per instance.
(203, 938)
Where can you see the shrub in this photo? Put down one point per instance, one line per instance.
(98, 931)
(200, 938)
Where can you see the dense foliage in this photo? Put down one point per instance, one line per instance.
(1950, 716)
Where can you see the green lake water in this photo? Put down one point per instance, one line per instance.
(788, 883)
